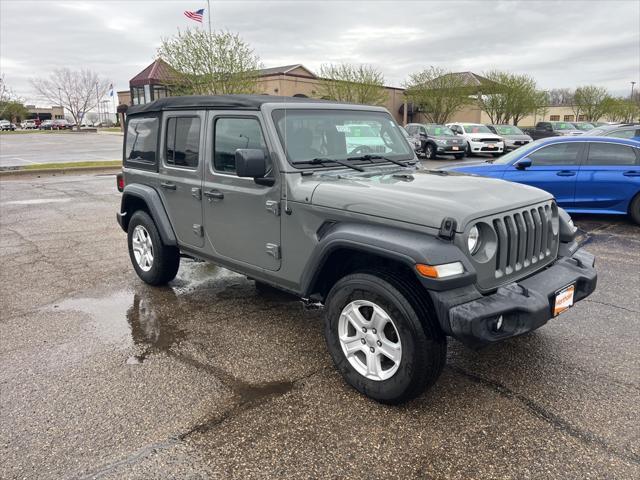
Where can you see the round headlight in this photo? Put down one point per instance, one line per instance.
(473, 240)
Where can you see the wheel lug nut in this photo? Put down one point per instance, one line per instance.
(372, 349)
(373, 330)
(379, 343)
(364, 329)
(363, 341)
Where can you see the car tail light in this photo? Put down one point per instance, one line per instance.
(120, 181)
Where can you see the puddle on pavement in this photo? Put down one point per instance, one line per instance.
(146, 318)
(37, 201)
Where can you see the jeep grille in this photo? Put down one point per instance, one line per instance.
(525, 237)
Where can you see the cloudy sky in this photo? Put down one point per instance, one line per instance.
(561, 43)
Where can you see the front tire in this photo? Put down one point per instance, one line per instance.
(459, 156)
(430, 151)
(496, 155)
(383, 337)
(154, 262)
(634, 209)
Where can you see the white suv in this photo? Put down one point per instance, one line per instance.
(479, 138)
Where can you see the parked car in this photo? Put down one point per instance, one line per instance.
(512, 135)
(398, 256)
(363, 138)
(552, 129)
(62, 124)
(585, 174)
(583, 126)
(626, 130)
(414, 142)
(479, 138)
(46, 125)
(28, 125)
(6, 125)
(436, 140)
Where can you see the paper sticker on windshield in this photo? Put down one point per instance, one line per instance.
(343, 128)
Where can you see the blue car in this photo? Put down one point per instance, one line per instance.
(586, 174)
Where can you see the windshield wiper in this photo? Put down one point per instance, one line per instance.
(320, 161)
(378, 157)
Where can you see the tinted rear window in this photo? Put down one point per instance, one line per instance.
(610, 154)
(142, 141)
(183, 139)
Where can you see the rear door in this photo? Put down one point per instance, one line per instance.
(554, 168)
(242, 217)
(180, 174)
(608, 178)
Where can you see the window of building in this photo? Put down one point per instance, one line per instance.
(231, 134)
(554, 118)
(568, 118)
(582, 118)
(557, 154)
(610, 154)
(182, 141)
(141, 140)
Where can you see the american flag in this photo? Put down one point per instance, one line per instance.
(197, 15)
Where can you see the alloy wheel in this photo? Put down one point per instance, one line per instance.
(142, 248)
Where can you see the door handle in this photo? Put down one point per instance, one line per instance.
(168, 185)
(631, 173)
(217, 194)
(566, 173)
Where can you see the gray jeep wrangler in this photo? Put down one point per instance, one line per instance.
(329, 202)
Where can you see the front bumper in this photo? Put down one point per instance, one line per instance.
(482, 147)
(451, 149)
(524, 306)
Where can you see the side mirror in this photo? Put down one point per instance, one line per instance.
(250, 162)
(523, 163)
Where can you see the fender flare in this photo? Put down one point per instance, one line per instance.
(404, 246)
(156, 209)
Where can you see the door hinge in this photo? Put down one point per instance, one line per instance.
(273, 250)
(196, 193)
(198, 230)
(273, 206)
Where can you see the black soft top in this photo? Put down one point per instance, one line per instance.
(216, 102)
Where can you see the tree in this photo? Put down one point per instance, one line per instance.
(560, 96)
(76, 90)
(210, 64)
(515, 97)
(590, 101)
(353, 83)
(621, 110)
(11, 106)
(438, 93)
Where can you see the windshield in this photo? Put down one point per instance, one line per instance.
(563, 126)
(515, 154)
(584, 126)
(508, 130)
(476, 129)
(438, 130)
(306, 134)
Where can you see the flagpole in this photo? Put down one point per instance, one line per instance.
(209, 15)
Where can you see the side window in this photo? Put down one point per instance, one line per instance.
(230, 134)
(182, 141)
(423, 131)
(610, 154)
(557, 154)
(629, 133)
(142, 140)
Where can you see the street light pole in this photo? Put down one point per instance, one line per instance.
(632, 85)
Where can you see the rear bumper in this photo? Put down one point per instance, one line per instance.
(524, 306)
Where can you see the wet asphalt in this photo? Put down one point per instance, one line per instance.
(104, 377)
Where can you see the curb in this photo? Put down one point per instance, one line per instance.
(62, 171)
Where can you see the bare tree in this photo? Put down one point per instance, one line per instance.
(590, 101)
(353, 83)
(11, 106)
(438, 93)
(78, 91)
(210, 64)
(560, 96)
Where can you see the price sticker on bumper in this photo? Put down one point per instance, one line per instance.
(564, 299)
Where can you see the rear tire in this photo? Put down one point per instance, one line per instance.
(154, 262)
(634, 209)
(410, 333)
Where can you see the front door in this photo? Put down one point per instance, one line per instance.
(554, 168)
(180, 179)
(241, 217)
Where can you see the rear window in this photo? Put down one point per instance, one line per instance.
(610, 154)
(142, 141)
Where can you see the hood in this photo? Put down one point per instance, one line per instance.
(485, 135)
(423, 197)
(518, 137)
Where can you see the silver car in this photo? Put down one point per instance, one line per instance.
(512, 135)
